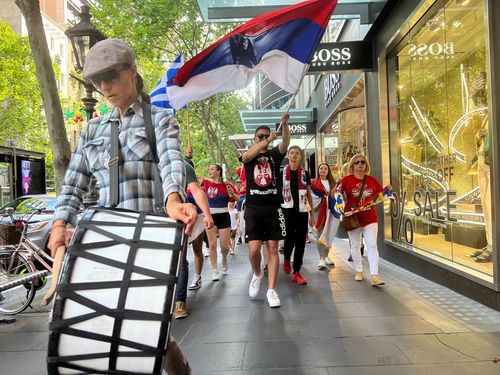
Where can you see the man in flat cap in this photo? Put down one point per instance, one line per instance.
(110, 66)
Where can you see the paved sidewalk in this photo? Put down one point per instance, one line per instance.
(332, 326)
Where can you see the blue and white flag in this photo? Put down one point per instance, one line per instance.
(159, 94)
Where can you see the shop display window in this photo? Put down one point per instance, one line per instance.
(444, 204)
(345, 134)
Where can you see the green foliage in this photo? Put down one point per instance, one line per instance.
(22, 120)
(159, 30)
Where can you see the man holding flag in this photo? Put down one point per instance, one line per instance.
(264, 219)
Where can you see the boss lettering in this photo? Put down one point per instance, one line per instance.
(432, 49)
(335, 54)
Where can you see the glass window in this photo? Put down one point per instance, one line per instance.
(345, 134)
(442, 114)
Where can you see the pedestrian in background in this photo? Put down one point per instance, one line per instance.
(327, 220)
(359, 187)
(297, 202)
(219, 193)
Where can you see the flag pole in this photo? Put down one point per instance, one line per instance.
(289, 104)
(188, 128)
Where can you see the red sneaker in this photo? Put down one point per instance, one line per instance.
(299, 279)
(287, 268)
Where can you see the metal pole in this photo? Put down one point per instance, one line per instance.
(219, 136)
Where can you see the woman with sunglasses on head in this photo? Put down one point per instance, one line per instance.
(358, 188)
(327, 221)
(219, 194)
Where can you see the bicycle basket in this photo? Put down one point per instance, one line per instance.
(9, 234)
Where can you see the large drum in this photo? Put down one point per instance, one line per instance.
(116, 293)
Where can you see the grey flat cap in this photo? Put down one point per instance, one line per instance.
(107, 55)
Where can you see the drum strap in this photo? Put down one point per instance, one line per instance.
(114, 164)
(159, 206)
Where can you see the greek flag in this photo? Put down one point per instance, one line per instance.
(159, 94)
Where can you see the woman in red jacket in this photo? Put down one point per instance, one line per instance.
(358, 188)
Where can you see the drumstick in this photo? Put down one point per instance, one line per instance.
(56, 269)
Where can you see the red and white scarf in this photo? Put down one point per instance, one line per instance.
(287, 194)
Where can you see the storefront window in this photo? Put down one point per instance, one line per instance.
(444, 208)
(345, 134)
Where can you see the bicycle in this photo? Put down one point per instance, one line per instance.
(19, 277)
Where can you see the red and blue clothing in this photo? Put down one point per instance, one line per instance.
(351, 187)
(217, 195)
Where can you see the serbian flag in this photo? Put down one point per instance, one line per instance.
(279, 44)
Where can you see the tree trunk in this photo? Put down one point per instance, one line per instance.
(61, 151)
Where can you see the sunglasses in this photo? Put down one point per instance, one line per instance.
(263, 136)
(360, 162)
(111, 77)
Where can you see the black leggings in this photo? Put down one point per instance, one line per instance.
(296, 232)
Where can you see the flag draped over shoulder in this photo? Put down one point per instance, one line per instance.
(278, 44)
(159, 96)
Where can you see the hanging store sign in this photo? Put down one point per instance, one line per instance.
(332, 86)
(342, 56)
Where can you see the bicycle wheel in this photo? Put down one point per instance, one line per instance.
(18, 298)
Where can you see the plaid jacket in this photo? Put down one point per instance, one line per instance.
(136, 169)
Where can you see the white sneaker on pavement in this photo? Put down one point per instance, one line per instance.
(329, 262)
(196, 283)
(254, 287)
(215, 275)
(206, 252)
(272, 298)
(322, 264)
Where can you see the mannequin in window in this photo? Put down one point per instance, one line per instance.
(483, 176)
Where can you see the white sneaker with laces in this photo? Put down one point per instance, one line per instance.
(215, 275)
(272, 298)
(329, 262)
(322, 264)
(254, 287)
(196, 283)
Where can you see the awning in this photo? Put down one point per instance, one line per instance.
(254, 118)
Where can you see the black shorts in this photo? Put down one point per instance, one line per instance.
(222, 221)
(264, 223)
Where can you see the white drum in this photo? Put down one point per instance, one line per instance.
(116, 292)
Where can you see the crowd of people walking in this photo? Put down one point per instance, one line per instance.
(269, 203)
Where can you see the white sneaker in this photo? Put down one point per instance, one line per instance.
(215, 275)
(272, 298)
(196, 283)
(224, 264)
(322, 264)
(206, 252)
(254, 287)
(329, 262)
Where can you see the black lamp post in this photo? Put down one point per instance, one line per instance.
(83, 36)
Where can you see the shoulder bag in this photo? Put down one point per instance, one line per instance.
(351, 222)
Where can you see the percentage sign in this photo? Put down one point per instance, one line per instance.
(404, 224)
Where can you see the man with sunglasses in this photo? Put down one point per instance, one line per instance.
(263, 217)
(110, 66)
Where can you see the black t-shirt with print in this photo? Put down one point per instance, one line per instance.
(263, 179)
(294, 186)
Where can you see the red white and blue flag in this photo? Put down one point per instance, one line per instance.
(279, 44)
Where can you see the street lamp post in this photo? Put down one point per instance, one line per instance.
(83, 36)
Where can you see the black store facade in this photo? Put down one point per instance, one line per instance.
(427, 117)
